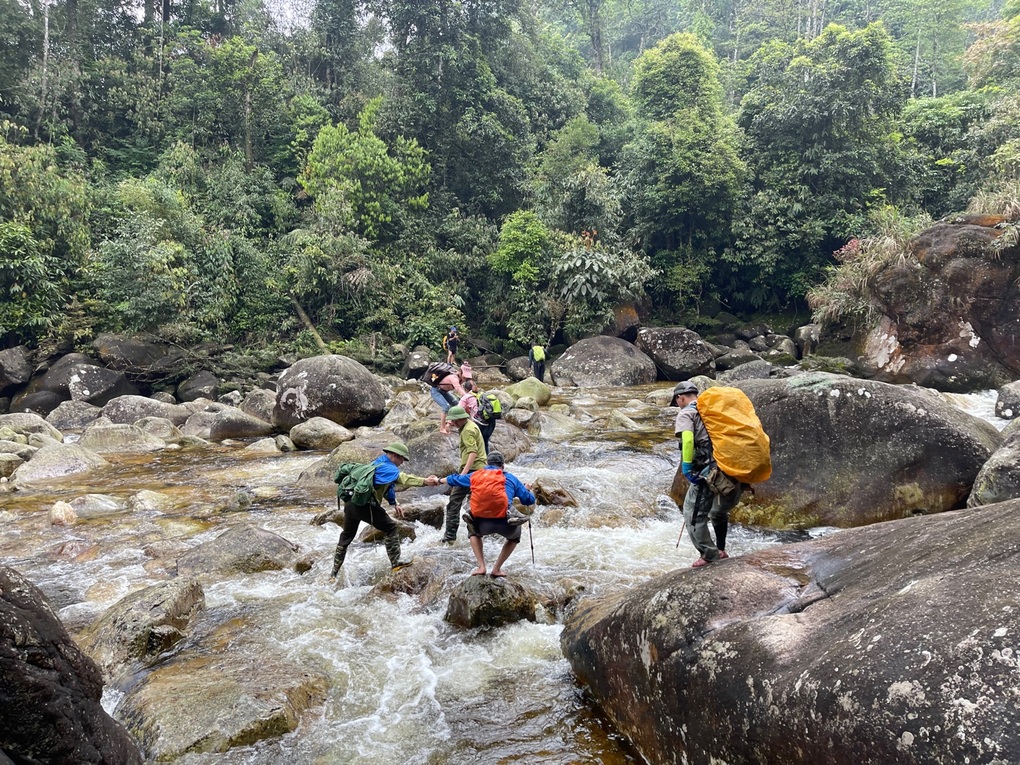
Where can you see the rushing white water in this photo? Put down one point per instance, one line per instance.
(404, 686)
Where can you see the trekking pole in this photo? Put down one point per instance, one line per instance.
(531, 538)
(682, 526)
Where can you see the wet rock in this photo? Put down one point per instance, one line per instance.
(40, 402)
(50, 707)
(330, 386)
(231, 422)
(999, 478)
(284, 444)
(119, 439)
(263, 446)
(518, 418)
(510, 440)
(200, 385)
(15, 367)
(73, 415)
(758, 369)
(319, 433)
(603, 361)
(200, 425)
(526, 402)
(678, 352)
(142, 625)
(1007, 402)
(126, 410)
(62, 514)
(531, 388)
(161, 428)
(848, 452)
(619, 421)
(819, 652)
(519, 368)
(98, 385)
(243, 549)
(214, 703)
(549, 491)
(259, 403)
(57, 461)
(554, 427)
(482, 601)
(97, 506)
(147, 501)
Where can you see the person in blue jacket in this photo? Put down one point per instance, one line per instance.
(508, 526)
(387, 475)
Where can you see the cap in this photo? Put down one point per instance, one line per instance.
(399, 449)
(456, 413)
(685, 387)
(495, 458)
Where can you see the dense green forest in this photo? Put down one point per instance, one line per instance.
(201, 168)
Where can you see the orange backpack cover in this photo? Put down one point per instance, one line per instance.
(488, 494)
(739, 443)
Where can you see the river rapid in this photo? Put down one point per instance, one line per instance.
(404, 686)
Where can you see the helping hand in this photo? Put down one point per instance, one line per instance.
(432, 481)
(398, 511)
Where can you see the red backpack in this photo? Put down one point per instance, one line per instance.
(488, 494)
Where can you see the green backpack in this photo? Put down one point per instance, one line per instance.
(355, 482)
(489, 406)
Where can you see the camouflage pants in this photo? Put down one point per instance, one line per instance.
(374, 515)
(701, 508)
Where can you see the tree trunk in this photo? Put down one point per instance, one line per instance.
(308, 324)
(249, 154)
(45, 68)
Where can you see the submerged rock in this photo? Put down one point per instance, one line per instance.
(893, 643)
(56, 461)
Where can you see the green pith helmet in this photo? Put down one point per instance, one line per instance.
(399, 449)
(456, 413)
(685, 387)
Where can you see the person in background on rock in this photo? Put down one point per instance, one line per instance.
(470, 403)
(450, 342)
(472, 455)
(537, 358)
(701, 506)
(466, 373)
(387, 474)
(492, 494)
(443, 394)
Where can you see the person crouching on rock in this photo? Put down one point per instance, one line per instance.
(387, 474)
(492, 493)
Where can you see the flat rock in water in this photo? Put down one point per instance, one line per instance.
(484, 601)
(244, 549)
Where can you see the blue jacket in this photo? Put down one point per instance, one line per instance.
(514, 487)
(387, 474)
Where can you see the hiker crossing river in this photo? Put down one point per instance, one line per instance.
(391, 680)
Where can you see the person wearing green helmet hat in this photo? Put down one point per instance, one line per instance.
(386, 475)
(472, 455)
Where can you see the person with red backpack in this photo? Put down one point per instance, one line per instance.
(492, 493)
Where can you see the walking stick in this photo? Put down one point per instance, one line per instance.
(531, 538)
(682, 526)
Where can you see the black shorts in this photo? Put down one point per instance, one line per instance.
(488, 526)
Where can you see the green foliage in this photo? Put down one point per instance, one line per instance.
(29, 293)
(524, 244)
(382, 183)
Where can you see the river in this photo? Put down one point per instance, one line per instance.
(405, 686)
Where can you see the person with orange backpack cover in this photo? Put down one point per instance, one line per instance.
(492, 493)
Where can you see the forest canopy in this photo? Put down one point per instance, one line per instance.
(200, 168)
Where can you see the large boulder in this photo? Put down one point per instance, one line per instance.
(57, 461)
(1007, 401)
(202, 384)
(950, 310)
(480, 601)
(142, 625)
(50, 705)
(319, 433)
(849, 452)
(892, 644)
(603, 361)
(28, 423)
(131, 354)
(999, 478)
(56, 378)
(73, 415)
(243, 549)
(15, 367)
(330, 386)
(40, 402)
(259, 403)
(231, 422)
(678, 353)
(127, 410)
(416, 363)
(532, 388)
(98, 385)
(320, 474)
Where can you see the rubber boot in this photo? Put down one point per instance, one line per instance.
(392, 542)
(338, 559)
